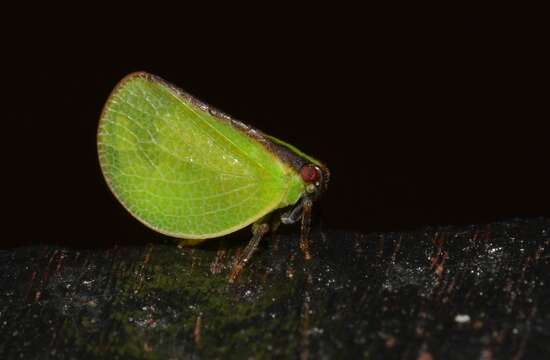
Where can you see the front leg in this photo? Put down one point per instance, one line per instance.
(305, 228)
(301, 211)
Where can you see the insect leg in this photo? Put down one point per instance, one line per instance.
(259, 229)
(307, 204)
(294, 214)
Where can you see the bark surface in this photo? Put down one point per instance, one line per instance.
(480, 291)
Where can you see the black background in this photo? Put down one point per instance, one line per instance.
(423, 117)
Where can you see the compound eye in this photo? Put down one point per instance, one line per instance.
(309, 173)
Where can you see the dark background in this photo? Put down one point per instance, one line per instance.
(422, 118)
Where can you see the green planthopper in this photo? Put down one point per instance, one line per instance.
(189, 171)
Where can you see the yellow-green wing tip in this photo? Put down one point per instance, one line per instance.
(136, 75)
(118, 86)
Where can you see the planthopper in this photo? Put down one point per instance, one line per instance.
(189, 171)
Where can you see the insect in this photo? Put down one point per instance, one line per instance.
(189, 171)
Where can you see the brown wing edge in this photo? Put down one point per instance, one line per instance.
(280, 152)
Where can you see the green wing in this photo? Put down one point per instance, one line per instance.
(180, 169)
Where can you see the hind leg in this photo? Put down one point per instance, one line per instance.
(259, 229)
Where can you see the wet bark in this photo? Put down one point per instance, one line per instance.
(447, 292)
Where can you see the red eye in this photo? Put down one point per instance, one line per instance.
(309, 173)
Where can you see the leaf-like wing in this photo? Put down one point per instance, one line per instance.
(180, 169)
